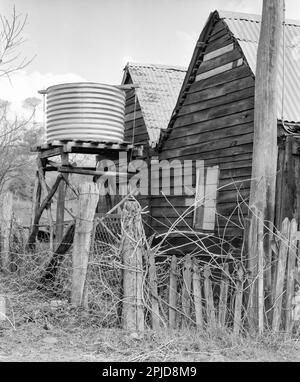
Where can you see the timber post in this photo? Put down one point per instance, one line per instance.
(6, 226)
(155, 316)
(264, 164)
(132, 255)
(173, 293)
(88, 199)
(60, 209)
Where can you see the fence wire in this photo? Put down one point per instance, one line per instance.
(46, 301)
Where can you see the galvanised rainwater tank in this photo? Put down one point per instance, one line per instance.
(85, 111)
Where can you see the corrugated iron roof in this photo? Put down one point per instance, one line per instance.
(246, 28)
(159, 87)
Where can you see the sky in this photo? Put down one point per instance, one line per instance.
(92, 40)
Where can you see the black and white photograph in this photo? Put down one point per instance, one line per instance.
(149, 184)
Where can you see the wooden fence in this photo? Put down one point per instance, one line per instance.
(190, 291)
(174, 292)
(197, 294)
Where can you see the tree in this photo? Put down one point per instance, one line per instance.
(16, 138)
(11, 58)
(32, 103)
(16, 135)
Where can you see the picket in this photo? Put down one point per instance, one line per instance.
(197, 296)
(173, 293)
(210, 309)
(238, 301)
(155, 317)
(281, 265)
(186, 288)
(290, 277)
(224, 285)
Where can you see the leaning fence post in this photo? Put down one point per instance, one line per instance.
(88, 199)
(6, 225)
(132, 255)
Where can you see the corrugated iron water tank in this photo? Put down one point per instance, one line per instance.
(85, 111)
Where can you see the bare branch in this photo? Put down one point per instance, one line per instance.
(10, 41)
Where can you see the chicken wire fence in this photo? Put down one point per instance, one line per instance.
(35, 294)
(32, 297)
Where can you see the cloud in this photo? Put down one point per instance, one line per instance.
(24, 85)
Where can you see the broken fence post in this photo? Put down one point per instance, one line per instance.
(88, 199)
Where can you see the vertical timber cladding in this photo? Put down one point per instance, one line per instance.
(215, 124)
(135, 127)
(134, 121)
(288, 179)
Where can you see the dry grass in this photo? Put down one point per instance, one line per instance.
(44, 328)
(36, 313)
(29, 342)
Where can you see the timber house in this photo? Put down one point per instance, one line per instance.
(149, 107)
(213, 120)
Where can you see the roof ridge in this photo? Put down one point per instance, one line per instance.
(158, 66)
(251, 17)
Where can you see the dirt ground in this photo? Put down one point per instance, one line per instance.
(34, 343)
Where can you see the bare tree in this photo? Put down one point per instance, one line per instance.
(11, 38)
(32, 103)
(16, 137)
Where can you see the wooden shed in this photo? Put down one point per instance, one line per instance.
(148, 109)
(213, 121)
(149, 106)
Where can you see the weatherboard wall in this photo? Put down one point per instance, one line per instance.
(135, 128)
(215, 124)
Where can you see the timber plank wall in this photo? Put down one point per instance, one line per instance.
(136, 132)
(215, 124)
(134, 121)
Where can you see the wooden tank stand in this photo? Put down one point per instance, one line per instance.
(63, 149)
